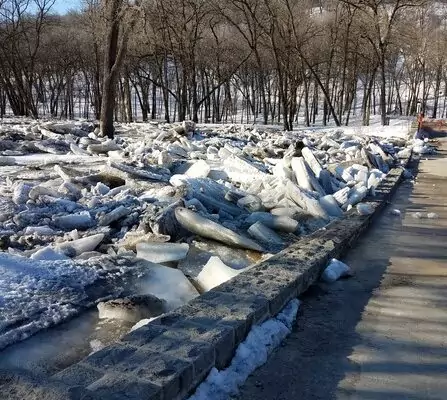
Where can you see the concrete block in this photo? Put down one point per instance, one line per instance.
(118, 386)
(18, 385)
(109, 356)
(221, 338)
(240, 313)
(144, 335)
(276, 283)
(169, 374)
(199, 354)
(78, 375)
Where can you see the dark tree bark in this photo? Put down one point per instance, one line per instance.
(115, 48)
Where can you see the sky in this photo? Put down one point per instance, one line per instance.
(62, 6)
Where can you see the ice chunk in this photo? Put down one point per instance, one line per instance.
(101, 189)
(312, 161)
(365, 208)
(177, 150)
(240, 170)
(96, 345)
(373, 181)
(178, 180)
(165, 159)
(265, 235)
(331, 206)
(343, 174)
(404, 153)
(44, 230)
(212, 153)
(80, 246)
(304, 200)
(210, 193)
(40, 190)
(47, 253)
(114, 215)
(196, 205)
(200, 169)
(80, 221)
(162, 252)
(204, 227)
(21, 193)
(290, 211)
(71, 190)
(132, 308)
(125, 171)
(356, 195)
(214, 273)
(166, 283)
(132, 238)
(335, 270)
(38, 294)
(342, 195)
(105, 147)
(301, 173)
(362, 176)
(432, 215)
(78, 151)
(282, 171)
(224, 153)
(251, 203)
(279, 223)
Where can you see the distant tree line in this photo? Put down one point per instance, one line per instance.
(264, 61)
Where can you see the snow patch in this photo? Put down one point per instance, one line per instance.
(250, 354)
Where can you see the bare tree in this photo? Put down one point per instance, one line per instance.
(120, 17)
(379, 21)
(20, 40)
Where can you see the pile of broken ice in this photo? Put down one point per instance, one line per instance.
(185, 207)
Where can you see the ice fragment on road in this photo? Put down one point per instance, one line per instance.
(335, 270)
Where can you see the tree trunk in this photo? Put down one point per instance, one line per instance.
(383, 91)
(114, 54)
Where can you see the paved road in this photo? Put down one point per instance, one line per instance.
(383, 333)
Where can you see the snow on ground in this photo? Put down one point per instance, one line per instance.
(250, 355)
(398, 128)
(46, 159)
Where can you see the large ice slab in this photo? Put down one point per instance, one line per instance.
(166, 283)
(162, 252)
(199, 225)
(214, 273)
